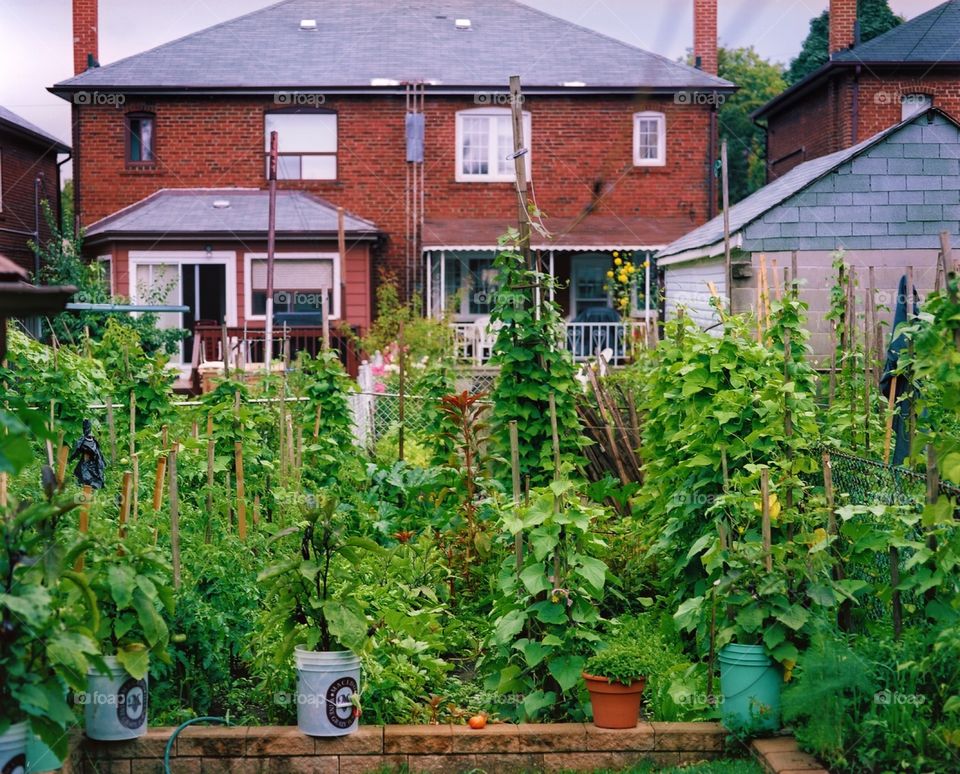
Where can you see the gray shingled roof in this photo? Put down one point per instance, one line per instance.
(933, 36)
(357, 41)
(186, 212)
(763, 200)
(23, 125)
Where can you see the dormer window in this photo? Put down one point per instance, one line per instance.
(306, 143)
(649, 139)
(140, 138)
(485, 145)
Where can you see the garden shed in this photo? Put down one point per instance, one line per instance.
(882, 202)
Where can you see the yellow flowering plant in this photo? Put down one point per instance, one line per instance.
(621, 277)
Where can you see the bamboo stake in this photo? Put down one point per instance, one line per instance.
(174, 516)
(256, 510)
(281, 433)
(765, 523)
(84, 522)
(241, 504)
(211, 444)
(316, 423)
(291, 456)
(135, 503)
(62, 453)
(133, 424)
(776, 285)
(515, 471)
(158, 483)
(125, 502)
(3, 490)
(112, 430)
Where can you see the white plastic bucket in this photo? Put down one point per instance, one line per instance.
(13, 749)
(325, 684)
(115, 705)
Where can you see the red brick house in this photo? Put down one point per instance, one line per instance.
(29, 173)
(865, 88)
(398, 113)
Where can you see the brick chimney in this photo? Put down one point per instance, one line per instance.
(843, 22)
(705, 35)
(85, 39)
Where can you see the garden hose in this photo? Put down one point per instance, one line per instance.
(173, 737)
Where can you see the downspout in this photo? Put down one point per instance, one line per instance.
(855, 108)
(60, 190)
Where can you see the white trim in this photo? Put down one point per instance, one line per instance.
(557, 248)
(661, 158)
(227, 258)
(696, 253)
(492, 175)
(248, 258)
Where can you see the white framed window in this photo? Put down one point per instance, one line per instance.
(299, 282)
(485, 145)
(649, 139)
(911, 104)
(306, 142)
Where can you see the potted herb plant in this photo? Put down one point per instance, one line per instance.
(131, 581)
(44, 644)
(310, 599)
(615, 678)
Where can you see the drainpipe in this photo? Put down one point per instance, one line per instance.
(60, 190)
(855, 109)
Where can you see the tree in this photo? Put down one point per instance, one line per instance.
(875, 18)
(759, 81)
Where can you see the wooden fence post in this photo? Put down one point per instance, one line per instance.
(241, 504)
(174, 515)
(84, 522)
(125, 502)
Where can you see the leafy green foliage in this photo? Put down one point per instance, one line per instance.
(620, 663)
(545, 621)
(533, 365)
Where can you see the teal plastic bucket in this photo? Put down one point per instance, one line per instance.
(40, 758)
(750, 683)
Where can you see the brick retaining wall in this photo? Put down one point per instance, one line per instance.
(498, 748)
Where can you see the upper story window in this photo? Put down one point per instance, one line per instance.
(649, 139)
(306, 142)
(911, 104)
(140, 138)
(485, 145)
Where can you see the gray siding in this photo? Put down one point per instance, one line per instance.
(686, 285)
(899, 194)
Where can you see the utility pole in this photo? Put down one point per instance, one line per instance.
(727, 264)
(520, 165)
(271, 240)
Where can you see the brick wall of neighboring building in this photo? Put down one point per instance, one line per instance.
(821, 121)
(20, 162)
(581, 147)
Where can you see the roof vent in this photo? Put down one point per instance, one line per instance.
(221, 204)
(384, 82)
(309, 25)
(462, 24)
(574, 84)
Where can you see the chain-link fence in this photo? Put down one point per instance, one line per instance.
(377, 414)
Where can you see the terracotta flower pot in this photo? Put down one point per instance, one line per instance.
(615, 705)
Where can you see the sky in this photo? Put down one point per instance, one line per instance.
(36, 35)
